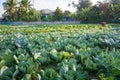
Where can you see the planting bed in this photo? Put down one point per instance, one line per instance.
(60, 52)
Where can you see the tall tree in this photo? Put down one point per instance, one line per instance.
(115, 5)
(115, 1)
(58, 14)
(105, 10)
(82, 4)
(23, 11)
(34, 15)
(26, 4)
(83, 7)
(10, 9)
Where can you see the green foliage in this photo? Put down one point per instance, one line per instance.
(108, 11)
(10, 9)
(58, 15)
(82, 4)
(21, 12)
(59, 52)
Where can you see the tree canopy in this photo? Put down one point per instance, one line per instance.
(58, 14)
(82, 4)
(108, 11)
(20, 11)
(10, 9)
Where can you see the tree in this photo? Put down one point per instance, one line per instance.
(83, 15)
(34, 15)
(115, 1)
(105, 11)
(94, 15)
(58, 14)
(10, 9)
(82, 4)
(83, 8)
(102, 11)
(115, 5)
(67, 13)
(23, 11)
(26, 4)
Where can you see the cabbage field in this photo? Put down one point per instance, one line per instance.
(60, 52)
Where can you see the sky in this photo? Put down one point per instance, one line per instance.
(49, 4)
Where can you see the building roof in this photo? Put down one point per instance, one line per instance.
(46, 11)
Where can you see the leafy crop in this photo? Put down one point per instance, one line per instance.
(59, 52)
